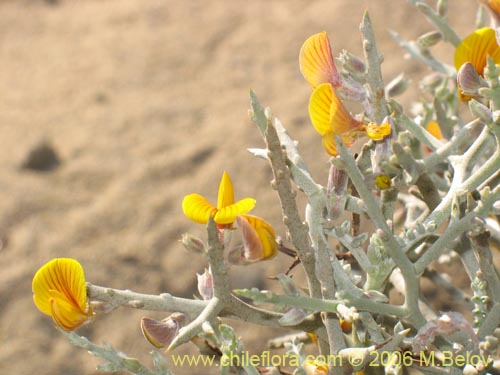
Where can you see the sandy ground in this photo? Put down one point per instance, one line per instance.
(144, 102)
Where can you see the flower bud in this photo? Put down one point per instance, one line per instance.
(160, 333)
(480, 110)
(352, 63)
(293, 317)
(337, 181)
(193, 244)
(442, 7)
(431, 82)
(397, 86)
(205, 285)
(288, 285)
(468, 79)
(429, 39)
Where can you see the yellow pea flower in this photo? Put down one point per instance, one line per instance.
(59, 290)
(316, 61)
(476, 47)
(328, 115)
(199, 209)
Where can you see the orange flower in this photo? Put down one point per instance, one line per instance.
(59, 290)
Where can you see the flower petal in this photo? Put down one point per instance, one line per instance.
(328, 114)
(266, 247)
(433, 128)
(328, 141)
(226, 192)
(378, 132)
(227, 215)
(66, 314)
(197, 208)
(316, 61)
(63, 275)
(320, 104)
(476, 47)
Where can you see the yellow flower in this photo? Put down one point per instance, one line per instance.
(329, 117)
(316, 61)
(199, 209)
(476, 47)
(378, 132)
(59, 290)
(433, 128)
(383, 181)
(259, 238)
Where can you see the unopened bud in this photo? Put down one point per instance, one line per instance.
(193, 244)
(442, 7)
(352, 63)
(205, 285)
(337, 181)
(468, 79)
(397, 86)
(431, 81)
(480, 110)
(161, 333)
(288, 285)
(429, 39)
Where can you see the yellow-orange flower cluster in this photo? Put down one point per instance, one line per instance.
(328, 115)
(59, 290)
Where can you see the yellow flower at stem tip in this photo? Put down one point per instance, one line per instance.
(59, 290)
(199, 209)
(476, 47)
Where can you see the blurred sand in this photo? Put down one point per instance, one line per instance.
(144, 102)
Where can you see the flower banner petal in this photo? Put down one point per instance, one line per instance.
(197, 208)
(476, 47)
(227, 215)
(316, 61)
(226, 192)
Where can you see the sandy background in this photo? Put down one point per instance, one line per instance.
(144, 102)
